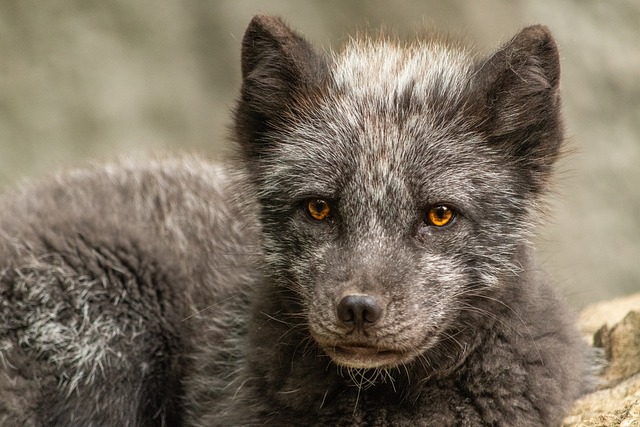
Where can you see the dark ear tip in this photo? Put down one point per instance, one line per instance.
(537, 38)
(262, 31)
(540, 32)
(264, 22)
(536, 43)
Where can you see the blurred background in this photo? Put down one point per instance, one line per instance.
(95, 80)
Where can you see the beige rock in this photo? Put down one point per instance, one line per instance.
(616, 403)
(609, 313)
(621, 344)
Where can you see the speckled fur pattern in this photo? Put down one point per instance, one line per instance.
(106, 273)
(173, 292)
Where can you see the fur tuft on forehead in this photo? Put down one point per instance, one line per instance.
(378, 69)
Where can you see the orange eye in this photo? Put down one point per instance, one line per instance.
(440, 215)
(318, 209)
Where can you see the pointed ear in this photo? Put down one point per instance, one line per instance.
(518, 94)
(278, 66)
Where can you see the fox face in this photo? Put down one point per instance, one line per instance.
(396, 183)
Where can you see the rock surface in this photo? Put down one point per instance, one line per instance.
(614, 326)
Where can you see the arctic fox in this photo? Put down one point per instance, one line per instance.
(365, 262)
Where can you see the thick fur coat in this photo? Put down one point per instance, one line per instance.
(366, 262)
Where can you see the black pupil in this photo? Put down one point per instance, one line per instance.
(441, 212)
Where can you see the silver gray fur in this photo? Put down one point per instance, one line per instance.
(172, 292)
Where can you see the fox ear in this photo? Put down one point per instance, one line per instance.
(518, 90)
(278, 66)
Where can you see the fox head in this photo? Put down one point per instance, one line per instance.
(396, 183)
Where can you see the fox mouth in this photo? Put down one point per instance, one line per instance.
(364, 356)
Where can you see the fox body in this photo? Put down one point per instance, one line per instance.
(367, 262)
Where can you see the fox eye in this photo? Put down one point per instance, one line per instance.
(318, 209)
(440, 215)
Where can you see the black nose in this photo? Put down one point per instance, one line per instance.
(359, 310)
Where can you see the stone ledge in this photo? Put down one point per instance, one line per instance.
(614, 326)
